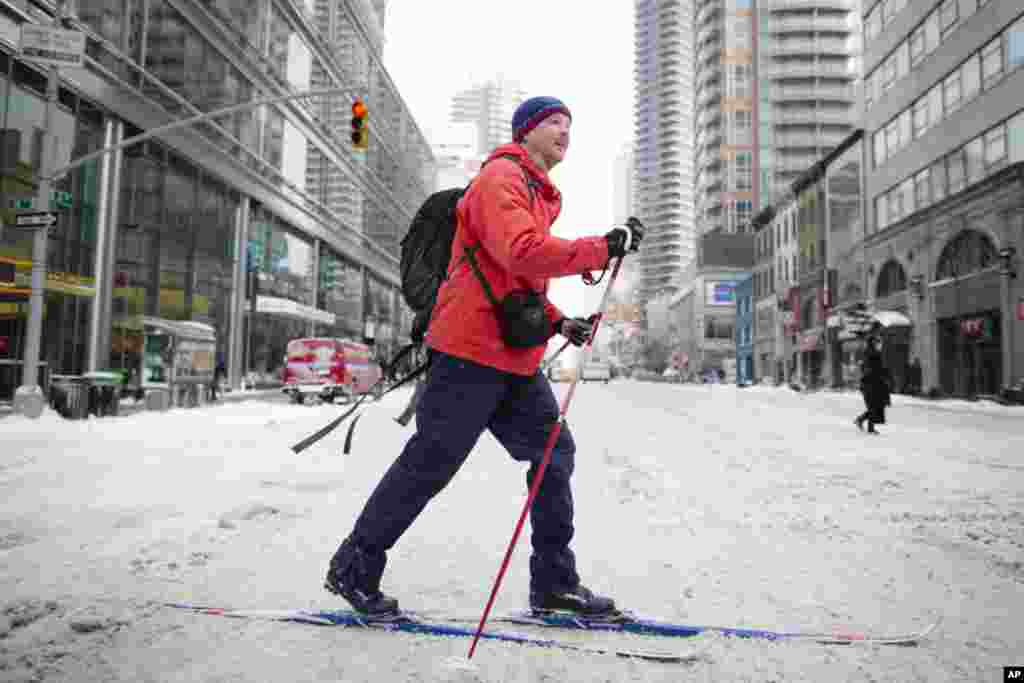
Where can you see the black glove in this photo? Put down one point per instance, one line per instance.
(576, 330)
(627, 239)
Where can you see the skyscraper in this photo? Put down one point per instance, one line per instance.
(664, 161)
(775, 92)
(490, 107)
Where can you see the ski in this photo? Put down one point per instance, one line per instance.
(410, 623)
(626, 622)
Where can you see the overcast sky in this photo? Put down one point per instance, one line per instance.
(576, 50)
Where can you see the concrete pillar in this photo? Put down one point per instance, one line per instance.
(108, 211)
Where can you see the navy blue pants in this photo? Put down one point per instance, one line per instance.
(462, 399)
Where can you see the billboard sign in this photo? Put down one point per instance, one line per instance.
(720, 293)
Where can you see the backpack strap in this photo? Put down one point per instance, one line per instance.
(531, 186)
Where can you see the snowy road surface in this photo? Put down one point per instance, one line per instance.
(707, 504)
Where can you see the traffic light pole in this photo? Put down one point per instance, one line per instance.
(191, 121)
(28, 398)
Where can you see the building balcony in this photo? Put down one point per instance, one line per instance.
(820, 139)
(782, 93)
(807, 47)
(815, 4)
(784, 23)
(811, 116)
(808, 69)
(793, 164)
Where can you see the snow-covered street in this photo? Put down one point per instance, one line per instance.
(757, 507)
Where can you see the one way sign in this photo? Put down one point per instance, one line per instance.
(36, 219)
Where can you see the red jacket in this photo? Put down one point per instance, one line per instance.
(518, 252)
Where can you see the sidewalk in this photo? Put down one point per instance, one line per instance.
(129, 406)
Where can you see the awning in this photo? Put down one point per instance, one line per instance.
(892, 319)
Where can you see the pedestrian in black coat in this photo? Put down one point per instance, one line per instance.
(875, 386)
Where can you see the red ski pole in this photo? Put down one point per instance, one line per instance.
(548, 448)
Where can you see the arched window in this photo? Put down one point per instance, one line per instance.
(968, 252)
(892, 279)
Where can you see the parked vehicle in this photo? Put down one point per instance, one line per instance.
(596, 371)
(329, 369)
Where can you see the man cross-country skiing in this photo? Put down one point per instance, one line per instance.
(478, 381)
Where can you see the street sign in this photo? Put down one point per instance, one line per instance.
(35, 219)
(51, 45)
(23, 203)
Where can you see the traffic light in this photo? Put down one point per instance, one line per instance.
(360, 133)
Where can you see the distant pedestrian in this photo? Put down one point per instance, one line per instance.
(875, 386)
(219, 372)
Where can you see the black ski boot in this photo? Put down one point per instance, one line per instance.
(581, 601)
(355, 575)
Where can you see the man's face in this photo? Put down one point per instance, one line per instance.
(550, 139)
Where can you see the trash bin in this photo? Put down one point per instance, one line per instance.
(69, 397)
(104, 392)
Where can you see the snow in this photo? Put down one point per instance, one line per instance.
(757, 507)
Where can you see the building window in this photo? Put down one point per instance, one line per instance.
(743, 171)
(951, 92)
(1015, 138)
(974, 152)
(995, 145)
(1015, 45)
(879, 145)
(968, 252)
(882, 211)
(935, 104)
(873, 24)
(992, 61)
(744, 210)
(889, 72)
(907, 200)
(891, 280)
(970, 78)
(931, 32)
(947, 16)
(957, 176)
(920, 116)
(895, 205)
(742, 127)
(922, 188)
(892, 137)
(938, 174)
(917, 50)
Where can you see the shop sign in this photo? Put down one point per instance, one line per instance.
(1020, 310)
(56, 281)
(976, 327)
(5, 344)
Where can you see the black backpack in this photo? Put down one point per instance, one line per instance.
(427, 247)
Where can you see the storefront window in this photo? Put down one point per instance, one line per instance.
(174, 249)
(70, 285)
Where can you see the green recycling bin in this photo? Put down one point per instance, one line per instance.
(104, 390)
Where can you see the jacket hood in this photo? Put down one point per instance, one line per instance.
(548, 188)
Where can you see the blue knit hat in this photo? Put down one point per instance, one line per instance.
(534, 110)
